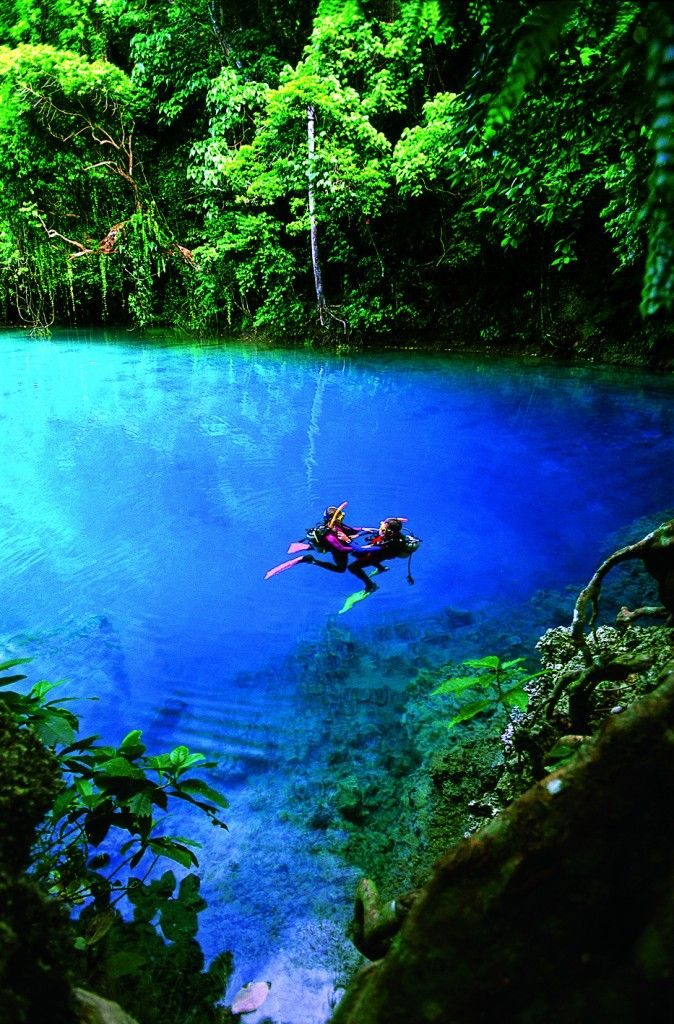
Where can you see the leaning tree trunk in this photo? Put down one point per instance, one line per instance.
(321, 304)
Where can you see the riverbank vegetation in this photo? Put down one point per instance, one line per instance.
(481, 174)
(84, 826)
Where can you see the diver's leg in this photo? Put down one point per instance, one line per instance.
(330, 566)
(358, 571)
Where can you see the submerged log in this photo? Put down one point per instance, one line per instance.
(562, 908)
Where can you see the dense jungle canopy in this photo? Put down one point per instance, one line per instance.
(476, 169)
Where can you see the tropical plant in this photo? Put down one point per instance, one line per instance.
(107, 792)
(503, 681)
(108, 818)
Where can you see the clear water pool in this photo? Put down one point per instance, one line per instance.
(145, 488)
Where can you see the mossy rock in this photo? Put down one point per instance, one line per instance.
(35, 936)
(29, 781)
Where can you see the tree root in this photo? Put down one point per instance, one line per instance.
(656, 550)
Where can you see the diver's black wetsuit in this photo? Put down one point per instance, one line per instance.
(338, 540)
(379, 550)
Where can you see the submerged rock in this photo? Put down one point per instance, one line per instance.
(561, 908)
(93, 1009)
(250, 997)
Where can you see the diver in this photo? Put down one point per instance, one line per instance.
(389, 542)
(335, 537)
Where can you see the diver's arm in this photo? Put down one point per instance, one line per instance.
(334, 544)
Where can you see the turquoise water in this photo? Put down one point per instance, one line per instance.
(146, 488)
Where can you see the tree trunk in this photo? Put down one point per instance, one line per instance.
(313, 228)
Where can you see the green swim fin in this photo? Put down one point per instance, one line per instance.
(352, 599)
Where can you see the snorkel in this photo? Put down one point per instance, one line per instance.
(337, 514)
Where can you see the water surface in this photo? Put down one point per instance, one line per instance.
(145, 488)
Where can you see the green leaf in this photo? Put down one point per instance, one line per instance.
(131, 745)
(54, 727)
(182, 758)
(101, 924)
(80, 745)
(7, 680)
(167, 848)
(160, 762)
(140, 805)
(42, 688)
(457, 684)
(14, 661)
(469, 711)
(119, 965)
(517, 698)
(131, 739)
(201, 788)
(490, 661)
(119, 767)
(511, 664)
(560, 754)
(63, 801)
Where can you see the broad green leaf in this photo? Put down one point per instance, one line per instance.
(490, 661)
(167, 848)
(469, 711)
(53, 728)
(186, 841)
(120, 767)
(43, 687)
(131, 739)
(140, 805)
(118, 965)
(182, 758)
(457, 684)
(63, 801)
(201, 788)
(517, 699)
(101, 924)
(84, 787)
(131, 745)
(160, 762)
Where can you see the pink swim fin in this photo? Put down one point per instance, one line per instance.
(284, 565)
(298, 545)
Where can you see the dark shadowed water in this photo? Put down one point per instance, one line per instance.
(146, 488)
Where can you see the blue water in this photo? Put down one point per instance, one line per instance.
(146, 488)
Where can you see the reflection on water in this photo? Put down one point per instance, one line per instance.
(146, 489)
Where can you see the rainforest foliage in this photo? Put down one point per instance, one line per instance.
(355, 167)
(83, 828)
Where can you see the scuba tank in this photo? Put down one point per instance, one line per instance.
(410, 542)
(316, 537)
